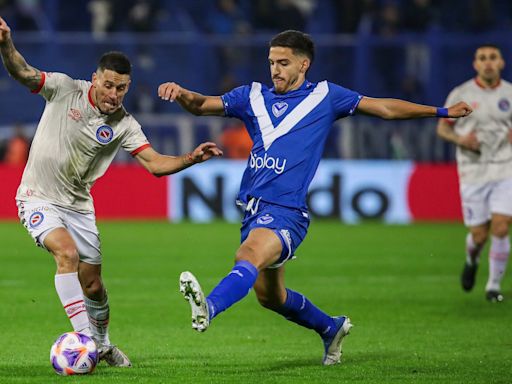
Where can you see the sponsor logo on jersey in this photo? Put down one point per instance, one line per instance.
(265, 219)
(75, 114)
(504, 105)
(269, 162)
(279, 108)
(104, 134)
(35, 219)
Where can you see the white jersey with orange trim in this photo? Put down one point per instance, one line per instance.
(491, 120)
(74, 144)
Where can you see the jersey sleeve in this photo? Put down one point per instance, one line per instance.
(236, 101)
(54, 84)
(344, 101)
(135, 140)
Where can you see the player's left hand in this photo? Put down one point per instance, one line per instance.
(5, 31)
(460, 109)
(205, 151)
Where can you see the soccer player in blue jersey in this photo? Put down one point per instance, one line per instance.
(288, 124)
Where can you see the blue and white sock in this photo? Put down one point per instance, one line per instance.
(233, 288)
(300, 310)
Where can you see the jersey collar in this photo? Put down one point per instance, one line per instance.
(306, 84)
(89, 96)
(483, 86)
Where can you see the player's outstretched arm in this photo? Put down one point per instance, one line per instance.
(193, 102)
(162, 165)
(392, 109)
(14, 62)
(469, 141)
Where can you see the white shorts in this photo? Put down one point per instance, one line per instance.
(480, 201)
(41, 217)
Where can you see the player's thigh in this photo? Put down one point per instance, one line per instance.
(83, 229)
(61, 244)
(270, 287)
(289, 225)
(262, 248)
(39, 218)
(476, 209)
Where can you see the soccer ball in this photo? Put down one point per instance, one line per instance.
(74, 353)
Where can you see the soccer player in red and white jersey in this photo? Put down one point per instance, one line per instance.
(83, 126)
(484, 159)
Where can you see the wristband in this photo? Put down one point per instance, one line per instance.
(442, 112)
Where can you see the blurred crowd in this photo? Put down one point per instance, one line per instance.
(381, 17)
(401, 70)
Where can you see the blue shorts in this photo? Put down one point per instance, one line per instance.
(289, 224)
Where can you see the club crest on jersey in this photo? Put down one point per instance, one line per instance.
(504, 105)
(104, 134)
(35, 219)
(265, 219)
(279, 108)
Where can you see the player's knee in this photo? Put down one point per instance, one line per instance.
(480, 237)
(67, 258)
(247, 253)
(94, 289)
(500, 229)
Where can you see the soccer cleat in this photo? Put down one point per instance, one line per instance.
(494, 296)
(192, 292)
(468, 276)
(333, 345)
(113, 356)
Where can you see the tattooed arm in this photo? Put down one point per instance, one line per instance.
(14, 62)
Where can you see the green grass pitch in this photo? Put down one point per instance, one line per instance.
(399, 284)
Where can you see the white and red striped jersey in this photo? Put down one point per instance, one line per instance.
(491, 120)
(74, 144)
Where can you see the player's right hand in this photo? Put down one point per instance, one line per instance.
(205, 151)
(461, 109)
(469, 141)
(169, 91)
(5, 31)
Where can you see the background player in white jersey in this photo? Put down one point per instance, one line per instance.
(82, 127)
(288, 124)
(484, 159)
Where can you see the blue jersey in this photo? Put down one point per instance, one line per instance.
(288, 133)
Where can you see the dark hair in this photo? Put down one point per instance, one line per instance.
(494, 46)
(115, 61)
(299, 42)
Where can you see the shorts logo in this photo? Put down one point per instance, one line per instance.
(504, 105)
(279, 108)
(35, 219)
(265, 219)
(104, 134)
(469, 213)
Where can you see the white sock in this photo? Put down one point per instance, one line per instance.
(71, 296)
(472, 250)
(498, 258)
(99, 315)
